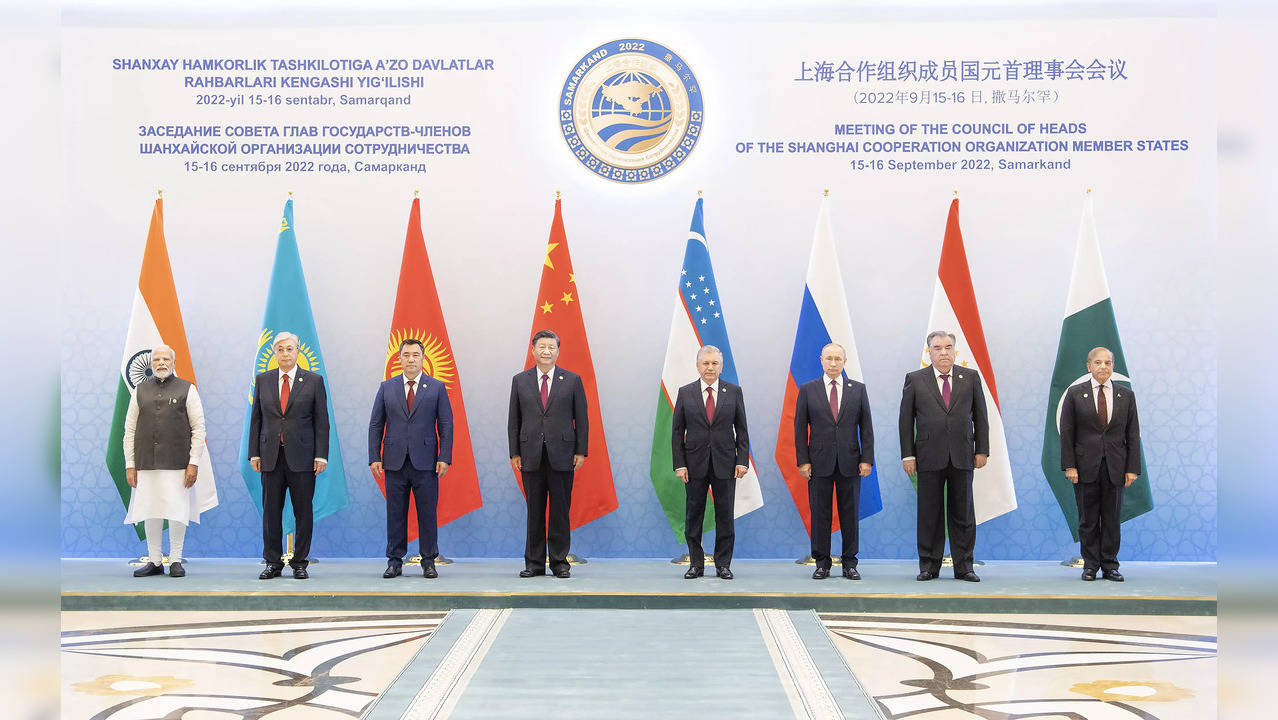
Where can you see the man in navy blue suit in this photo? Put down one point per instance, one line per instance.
(410, 444)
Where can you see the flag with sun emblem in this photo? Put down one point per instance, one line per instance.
(558, 309)
(288, 309)
(418, 315)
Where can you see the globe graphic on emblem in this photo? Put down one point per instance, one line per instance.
(630, 112)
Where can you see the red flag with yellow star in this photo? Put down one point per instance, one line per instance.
(418, 315)
(558, 310)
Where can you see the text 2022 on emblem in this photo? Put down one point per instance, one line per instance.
(631, 110)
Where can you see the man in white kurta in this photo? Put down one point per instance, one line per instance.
(163, 447)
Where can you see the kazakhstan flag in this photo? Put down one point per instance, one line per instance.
(288, 308)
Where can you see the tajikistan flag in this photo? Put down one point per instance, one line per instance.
(1089, 322)
(954, 310)
(155, 320)
(698, 320)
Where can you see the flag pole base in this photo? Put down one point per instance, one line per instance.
(683, 560)
(810, 562)
(417, 560)
(948, 561)
(1074, 562)
(572, 559)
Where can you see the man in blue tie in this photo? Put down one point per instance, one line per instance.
(410, 445)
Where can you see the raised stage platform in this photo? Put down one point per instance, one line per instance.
(888, 586)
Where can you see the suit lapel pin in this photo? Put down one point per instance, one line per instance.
(960, 377)
(300, 379)
(561, 377)
(1118, 395)
(1084, 394)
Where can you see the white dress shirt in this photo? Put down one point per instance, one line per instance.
(550, 379)
(838, 391)
(417, 385)
(1109, 399)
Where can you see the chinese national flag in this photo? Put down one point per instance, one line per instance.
(558, 310)
(417, 315)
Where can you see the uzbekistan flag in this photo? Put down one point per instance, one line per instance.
(823, 319)
(697, 321)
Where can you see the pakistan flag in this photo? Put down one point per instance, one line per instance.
(1089, 322)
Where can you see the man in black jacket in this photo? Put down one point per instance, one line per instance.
(1100, 454)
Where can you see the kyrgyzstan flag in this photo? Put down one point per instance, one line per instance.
(418, 315)
(558, 310)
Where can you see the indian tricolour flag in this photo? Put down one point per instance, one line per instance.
(698, 320)
(954, 310)
(1089, 322)
(155, 320)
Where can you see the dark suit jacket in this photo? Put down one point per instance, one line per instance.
(563, 426)
(423, 436)
(936, 436)
(830, 444)
(304, 424)
(1084, 444)
(704, 447)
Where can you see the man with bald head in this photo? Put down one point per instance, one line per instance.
(710, 447)
(1100, 454)
(163, 445)
(288, 444)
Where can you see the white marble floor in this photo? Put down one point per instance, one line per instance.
(1084, 667)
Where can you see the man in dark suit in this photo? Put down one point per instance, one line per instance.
(834, 448)
(410, 446)
(710, 446)
(945, 434)
(1100, 454)
(288, 444)
(548, 430)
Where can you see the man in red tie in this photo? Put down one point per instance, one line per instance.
(710, 447)
(1100, 454)
(834, 448)
(288, 444)
(945, 435)
(548, 432)
(410, 446)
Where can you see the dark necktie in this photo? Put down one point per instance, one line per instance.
(710, 404)
(411, 394)
(945, 390)
(834, 398)
(545, 391)
(1102, 408)
(283, 403)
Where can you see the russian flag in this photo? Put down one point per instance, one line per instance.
(823, 318)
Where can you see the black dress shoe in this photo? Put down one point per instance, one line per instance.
(393, 570)
(271, 571)
(925, 575)
(299, 573)
(694, 572)
(529, 572)
(851, 573)
(820, 573)
(564, 573)
(176, 569)
(968, 576)
(724, 573)
(1112, 575)
(148, 570)
(1089, 574)
(429, 571)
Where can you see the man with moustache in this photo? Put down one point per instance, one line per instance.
(288, 444)
(834, 448)
(410, 446)
(1100, 454)
(945, 435)
(710, 447)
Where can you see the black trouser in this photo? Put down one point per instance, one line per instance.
(848, 490)
(301, 490)
(945, 496)
(1100, 508)
(551, 530)
(424, 485)
(725, 492)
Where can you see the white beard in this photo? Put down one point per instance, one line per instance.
(163, 374)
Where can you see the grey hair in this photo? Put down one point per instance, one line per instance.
(162, 346)
(281, 337)
(939, 333)
(1093, 351)
(840, 347)
(707, 349)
